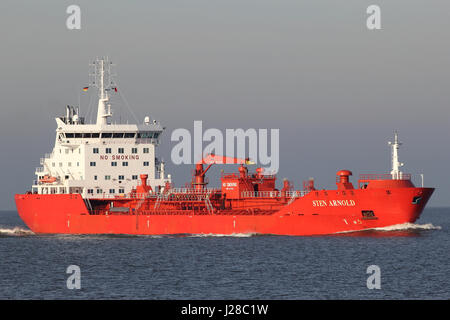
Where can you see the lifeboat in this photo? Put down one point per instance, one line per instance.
(48, 179)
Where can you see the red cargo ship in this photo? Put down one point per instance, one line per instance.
(104, 178)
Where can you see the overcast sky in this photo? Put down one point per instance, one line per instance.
(310, 68)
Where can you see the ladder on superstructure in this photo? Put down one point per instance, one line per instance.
(208, 204)
(158, 201)
(139, 204)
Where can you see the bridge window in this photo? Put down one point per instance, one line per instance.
(118, 135)
(148, 135)
(106, 135)
(129, 135)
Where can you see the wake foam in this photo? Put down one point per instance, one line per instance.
(16, 231)
(408, 226)
(233, 235)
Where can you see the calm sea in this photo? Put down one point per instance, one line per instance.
(413, 261)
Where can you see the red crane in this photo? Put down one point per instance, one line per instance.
(198, 179)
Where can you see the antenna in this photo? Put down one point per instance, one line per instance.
(102, 78)
(396, 164)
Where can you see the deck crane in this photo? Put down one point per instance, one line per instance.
(198, 178)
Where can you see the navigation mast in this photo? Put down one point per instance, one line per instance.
(102, 79)
(396, 164)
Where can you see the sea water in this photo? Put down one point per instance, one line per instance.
(413, 262)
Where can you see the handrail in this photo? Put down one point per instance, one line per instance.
(385, 176)
(233, 175)
(192, 191)
(274, 194)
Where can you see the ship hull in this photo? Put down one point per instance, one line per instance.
(317, 213)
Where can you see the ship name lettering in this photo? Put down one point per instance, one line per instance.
(319, 203)
(341, 203)
(334, 203)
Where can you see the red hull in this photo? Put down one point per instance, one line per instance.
(319, 212)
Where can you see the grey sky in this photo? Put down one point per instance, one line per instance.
(311, 68)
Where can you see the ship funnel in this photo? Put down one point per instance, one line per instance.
(344, 181)
(143, 188)
(144, 179)
(344, 175)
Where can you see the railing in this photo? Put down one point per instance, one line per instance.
(229, 175)
(192, 191)
(296, 194)
(122, 196)
(234, 175)
(385, 176)
(186, 193)
(273, 194)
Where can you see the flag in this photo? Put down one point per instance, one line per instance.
(85, 88)
(115, 89)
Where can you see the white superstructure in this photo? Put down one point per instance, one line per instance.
(101, 159)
